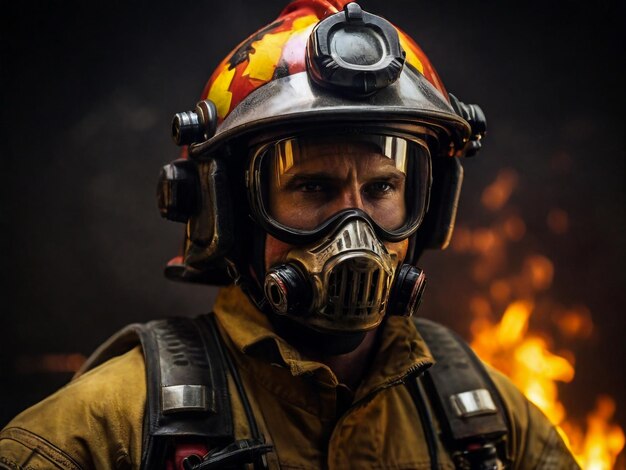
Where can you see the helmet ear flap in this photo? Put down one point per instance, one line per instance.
(209, 236)
(438, 225)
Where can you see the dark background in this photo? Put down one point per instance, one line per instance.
(88, 91)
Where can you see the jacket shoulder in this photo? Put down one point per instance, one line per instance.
(535, 442)
(94, 420)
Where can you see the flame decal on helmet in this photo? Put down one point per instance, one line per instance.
(269, 49)
(242, 53)
(411, 56)
(220, 91)
(254, 62)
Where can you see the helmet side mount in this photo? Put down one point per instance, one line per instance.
(475, 116)
(199, 196)
(195, 126)
(178, 191)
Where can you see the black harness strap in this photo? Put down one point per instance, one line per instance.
(472, 417)
(420, 400)
(187, 388)
(242, 451)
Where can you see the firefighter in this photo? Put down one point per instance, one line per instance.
(321, 161)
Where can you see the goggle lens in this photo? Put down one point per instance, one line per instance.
(308, 180)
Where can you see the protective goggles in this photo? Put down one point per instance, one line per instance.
(301, 188)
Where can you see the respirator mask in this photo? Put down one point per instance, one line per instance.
(346, 204)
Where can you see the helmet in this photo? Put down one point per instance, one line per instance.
(324, 72)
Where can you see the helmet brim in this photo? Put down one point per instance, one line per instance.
(284, 104)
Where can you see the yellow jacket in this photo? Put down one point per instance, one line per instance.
(96, 420)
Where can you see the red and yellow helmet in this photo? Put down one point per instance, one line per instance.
(321, 65)
(279, 50)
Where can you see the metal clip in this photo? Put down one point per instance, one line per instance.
(176, 398)
(472, 403)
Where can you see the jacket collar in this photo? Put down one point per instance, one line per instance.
(401, 350)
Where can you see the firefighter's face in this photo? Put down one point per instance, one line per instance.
(330, 177)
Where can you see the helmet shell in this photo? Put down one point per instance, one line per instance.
(264, 83)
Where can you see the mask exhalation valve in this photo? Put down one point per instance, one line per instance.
(287, 290)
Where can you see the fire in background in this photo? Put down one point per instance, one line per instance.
(518, 326)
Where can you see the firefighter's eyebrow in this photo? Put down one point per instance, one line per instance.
(291, 181)
(387, 175)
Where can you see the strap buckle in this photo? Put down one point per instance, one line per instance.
(245, 451)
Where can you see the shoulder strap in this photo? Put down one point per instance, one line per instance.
(473, 420)
(187, 388)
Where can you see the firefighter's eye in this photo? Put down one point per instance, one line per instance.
(312, 187)
(311, 184)
(379, 189)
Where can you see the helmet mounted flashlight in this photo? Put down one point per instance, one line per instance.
(354, 52)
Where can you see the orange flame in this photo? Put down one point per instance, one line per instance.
(510, 345)
(596, 449)
(526, 358)
(49, 363)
